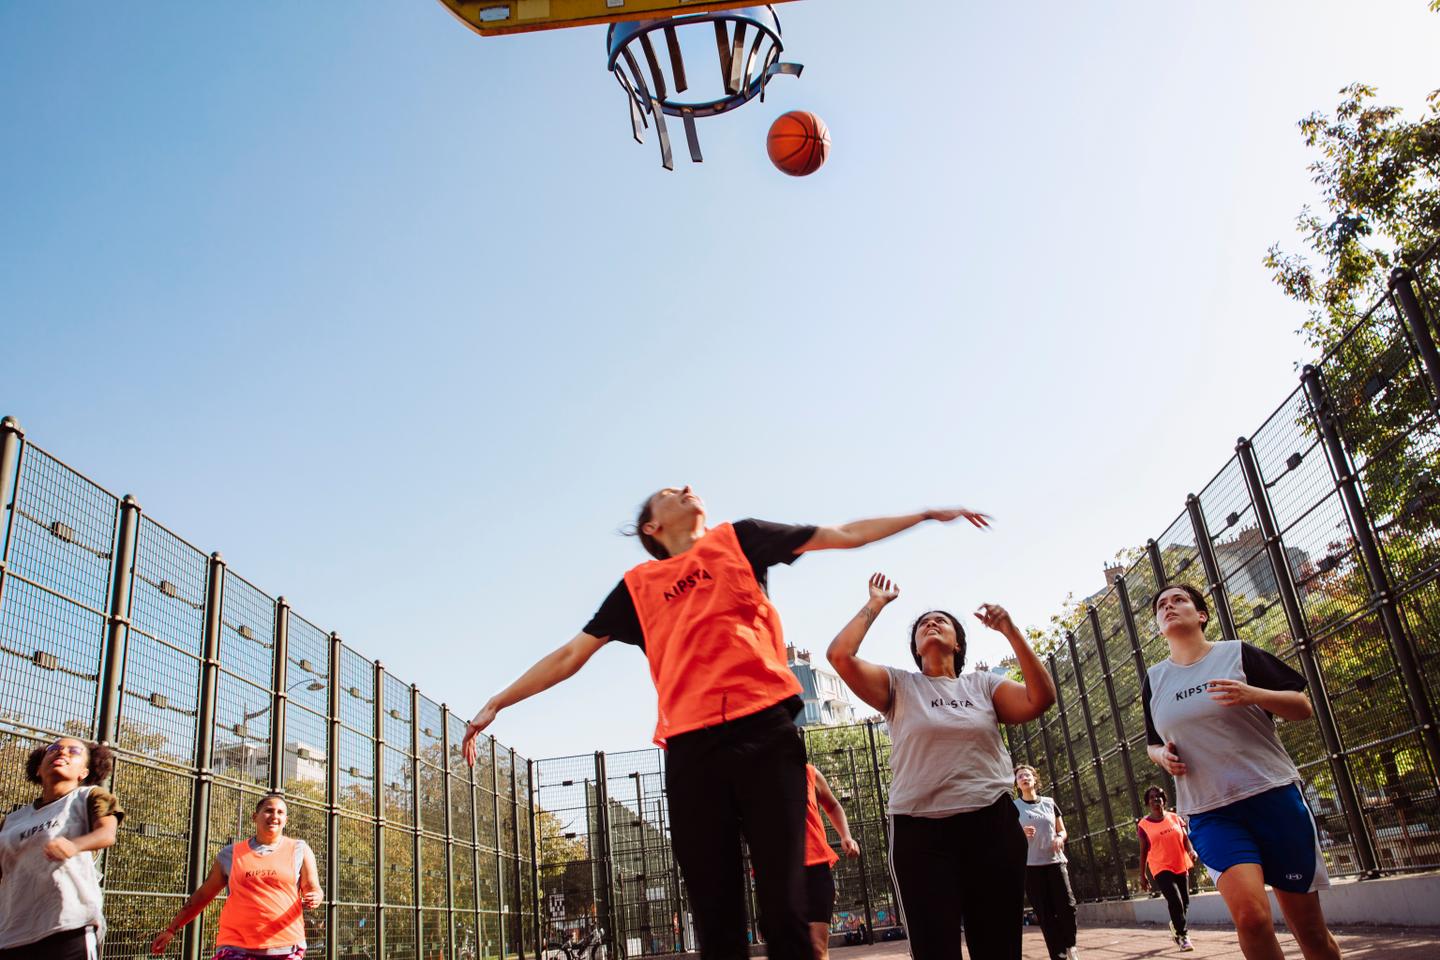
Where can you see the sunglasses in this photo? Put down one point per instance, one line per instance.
(70, 750)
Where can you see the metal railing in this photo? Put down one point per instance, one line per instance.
(212, 692)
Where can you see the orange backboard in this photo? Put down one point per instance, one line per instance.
(494, 17)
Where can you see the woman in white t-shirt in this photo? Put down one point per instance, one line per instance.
(50, 900)
(957, 853)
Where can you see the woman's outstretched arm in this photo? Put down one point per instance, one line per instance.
(871, 682)
(557, 665)
(857, 533)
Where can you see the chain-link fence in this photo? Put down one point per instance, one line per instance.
(1319, 541)
(212, 692)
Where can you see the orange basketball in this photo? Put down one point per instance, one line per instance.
(798, 143)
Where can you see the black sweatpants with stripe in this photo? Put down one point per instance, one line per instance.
(962, 871)
(745, 778)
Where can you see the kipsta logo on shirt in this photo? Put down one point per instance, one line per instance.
(1190, 692)
(686, 584)
(942, 702)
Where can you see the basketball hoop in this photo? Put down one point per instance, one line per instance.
(745, 69)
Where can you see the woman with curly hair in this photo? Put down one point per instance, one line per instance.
(50, 900)
(957, 850)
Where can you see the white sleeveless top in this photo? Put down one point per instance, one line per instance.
(38, 896)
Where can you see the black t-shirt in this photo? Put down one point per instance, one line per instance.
(1263, 670)
(764, 544)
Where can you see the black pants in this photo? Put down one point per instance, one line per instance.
(1175, 888)
(1048, 887)
(745, 778)
(66, 945)
(964, 871)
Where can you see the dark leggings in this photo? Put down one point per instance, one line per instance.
(1048, 887)
(966, 870)
(65, 945)
(745, 778)
(1175, 888)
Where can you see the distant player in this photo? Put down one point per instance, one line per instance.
(272, 879)
(819, 858)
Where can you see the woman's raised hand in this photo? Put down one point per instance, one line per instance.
(882, 589)
(995, 617)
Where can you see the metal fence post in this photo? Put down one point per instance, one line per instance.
(1206, 545)
(1300, 635)
(1121, 740)
(449, 830)
(1080, 807)
(380, 918)
(11, 439)
(117, 622)
(1382, 594)
(607, 862)
(417, 883)
(499, 847)
(1050, 752)
(279, 677)
(1095, 759)
(332, 800)
(1402, 287)
(864, 866)
(1142, 673)
(519, 901)
(199, 850)
(530, 792)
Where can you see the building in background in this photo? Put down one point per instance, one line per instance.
(827, 702)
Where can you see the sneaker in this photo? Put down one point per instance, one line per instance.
(1185, 945)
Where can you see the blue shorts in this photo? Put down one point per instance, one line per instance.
(1273, 829)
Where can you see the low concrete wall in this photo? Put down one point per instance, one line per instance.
(1411, 901)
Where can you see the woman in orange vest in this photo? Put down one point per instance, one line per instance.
(272, 879)
(819, 858)
(1166, 857)
(735, 764)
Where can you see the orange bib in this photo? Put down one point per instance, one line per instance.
(1167, 844)
(712, 637)
(817, 848)
(263, 910)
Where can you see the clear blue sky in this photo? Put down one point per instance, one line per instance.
(403, 323)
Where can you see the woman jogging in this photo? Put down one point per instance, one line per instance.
(1047, 880)
(1166, 857)
(50, 901)
(735, 765)
(1209, 719)
(272, 879)
(819, 858)
(957, 852)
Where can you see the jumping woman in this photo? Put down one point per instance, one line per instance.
(1166, 857)
(735, 765)
(272, 879)
(50, 901)
(1209, 719)
(1047, 880)
(957, 852)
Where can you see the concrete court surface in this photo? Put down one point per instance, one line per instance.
(1211, 943)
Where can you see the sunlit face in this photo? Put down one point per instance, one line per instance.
(935, 631)
(673, 508)
(1176, 613)
(66, 760)
(271, 817)
(1025, 780)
